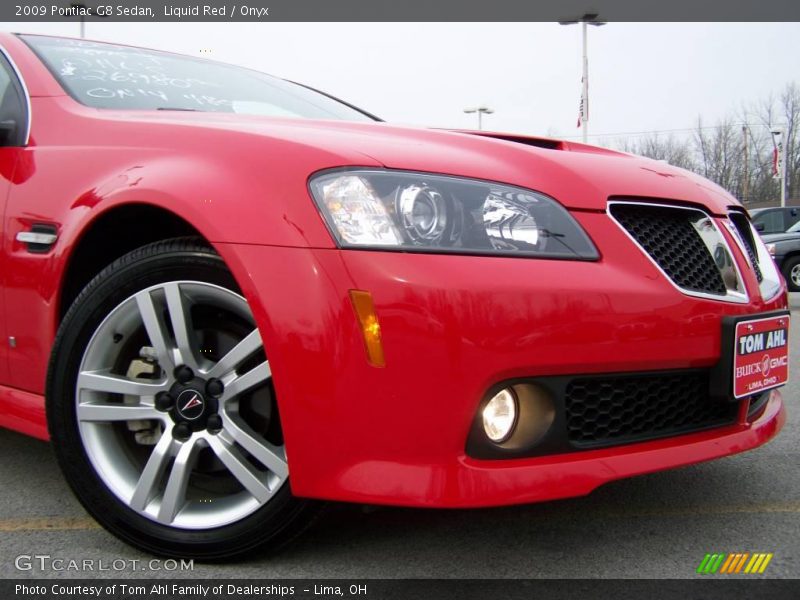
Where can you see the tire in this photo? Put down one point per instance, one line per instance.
(791, 271)
(186, 463)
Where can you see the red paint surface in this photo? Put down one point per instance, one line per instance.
(452, 326)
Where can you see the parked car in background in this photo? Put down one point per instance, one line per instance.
(785, 249)
(775, 220)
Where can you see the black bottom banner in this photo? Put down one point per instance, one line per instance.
(379, 589)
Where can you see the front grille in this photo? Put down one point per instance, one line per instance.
(742, 225)
(669, 237)
(610, 410)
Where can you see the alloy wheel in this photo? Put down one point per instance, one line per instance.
(175, 407)
(794, 275)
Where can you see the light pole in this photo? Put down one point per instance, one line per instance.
(780, 159)
(80, 7)
(83, 10)
(481, 110)
(746, 181)
(586, 19)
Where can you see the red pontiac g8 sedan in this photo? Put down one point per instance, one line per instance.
(226, 296)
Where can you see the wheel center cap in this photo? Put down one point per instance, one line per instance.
(190, 404)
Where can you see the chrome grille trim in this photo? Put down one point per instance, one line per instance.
(731, 295)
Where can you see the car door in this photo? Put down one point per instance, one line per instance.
(772, 221)
(13, 138)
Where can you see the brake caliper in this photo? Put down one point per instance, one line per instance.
(147, 432)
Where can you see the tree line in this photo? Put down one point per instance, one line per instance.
(736, 152)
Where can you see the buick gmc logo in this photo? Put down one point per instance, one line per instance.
(763, 366)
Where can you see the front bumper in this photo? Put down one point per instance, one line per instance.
(470, 483)
(453, 326)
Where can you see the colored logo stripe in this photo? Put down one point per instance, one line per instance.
(758, 563)
(734, 563)
(710, 563)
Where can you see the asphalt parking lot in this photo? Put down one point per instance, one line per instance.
(659, 525)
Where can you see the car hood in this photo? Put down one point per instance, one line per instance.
(577, 175)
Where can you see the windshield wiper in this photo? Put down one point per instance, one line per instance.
(176, 108)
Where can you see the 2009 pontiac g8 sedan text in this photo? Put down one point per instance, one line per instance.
(226, 296)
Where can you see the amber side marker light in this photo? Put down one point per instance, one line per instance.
(370, 327)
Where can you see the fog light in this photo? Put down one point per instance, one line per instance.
(500, 416)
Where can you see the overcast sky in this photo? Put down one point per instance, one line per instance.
(643, 77)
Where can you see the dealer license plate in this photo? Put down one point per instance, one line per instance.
(761, 355)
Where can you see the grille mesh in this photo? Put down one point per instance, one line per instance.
(604, 411)
(668, 236)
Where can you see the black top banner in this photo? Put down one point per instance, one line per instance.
(400, 10)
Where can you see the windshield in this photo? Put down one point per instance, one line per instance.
(794, 228)
(121, 77)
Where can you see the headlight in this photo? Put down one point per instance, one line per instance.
(391, 210)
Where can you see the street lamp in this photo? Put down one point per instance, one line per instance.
(80, 7)
(586, 19)
(481, 110)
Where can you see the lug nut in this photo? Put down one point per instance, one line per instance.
(215, 387)
(181, 431)
(214, 423)
(184, 374)
(164, 401)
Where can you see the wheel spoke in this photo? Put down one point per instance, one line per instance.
(241, 351)
(105, 381)
(155, 330)
(88, 411)
(179, 315)
(244, 382)
(272, 457)
(175, 493)
(242, 470)
(151, 475)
